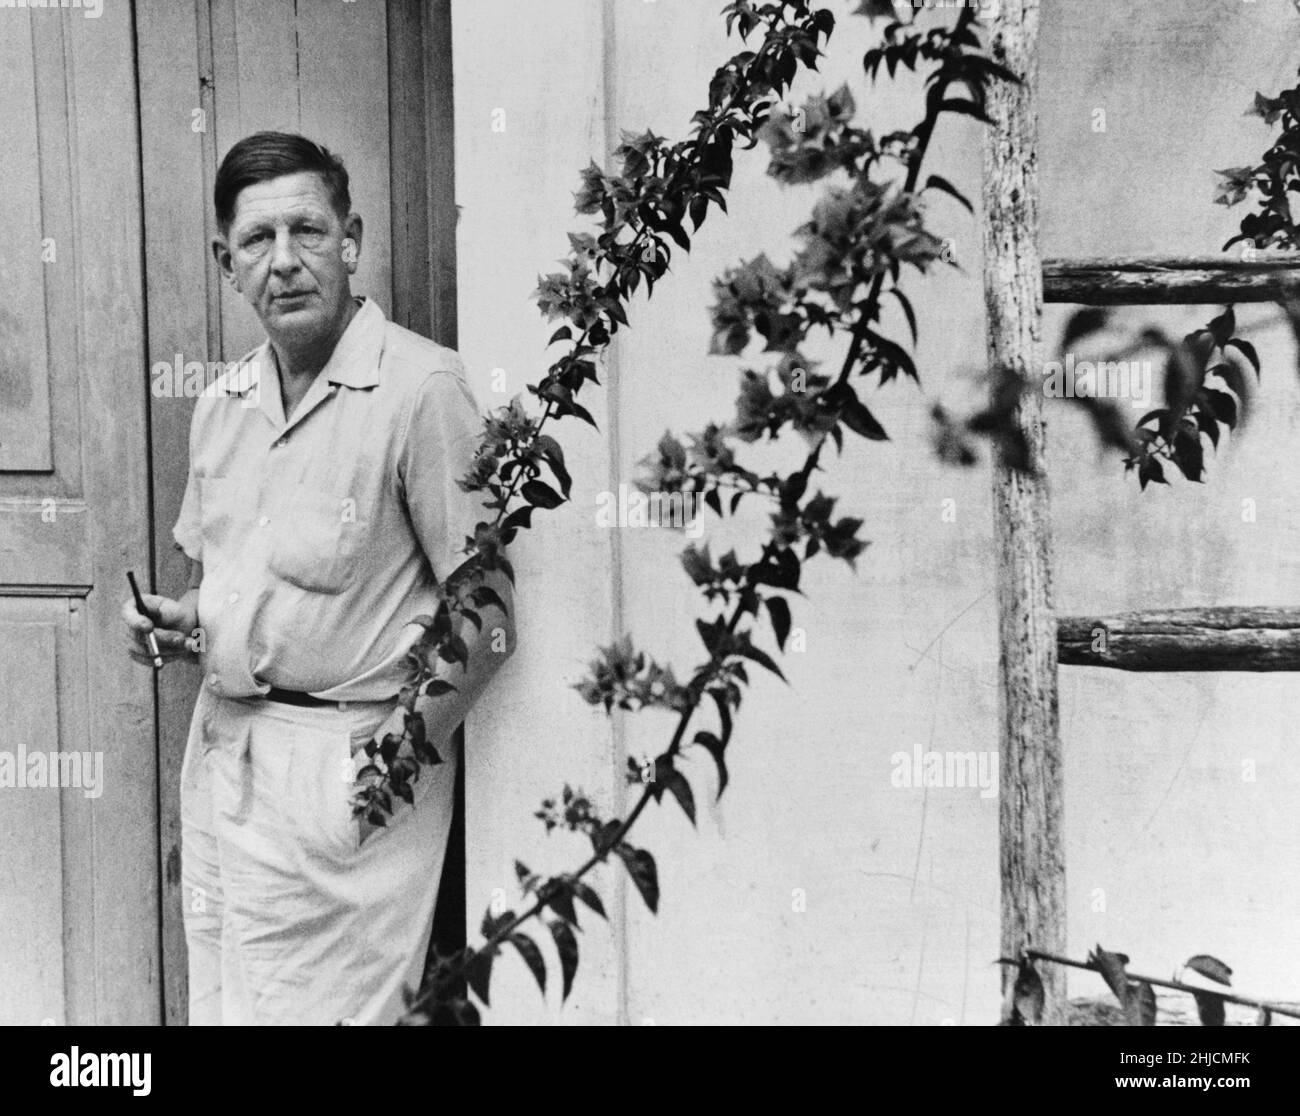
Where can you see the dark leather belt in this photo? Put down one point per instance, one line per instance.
(295, 697)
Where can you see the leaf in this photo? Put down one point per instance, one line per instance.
(480, 973)
(1208, 424)
(561, 902)
(778, 608)
(1082, 323)
(1028, 994)
(1151, 470)
(724, 713)
(532, 957)
(1111, 967)
(858, 418)
(453, 650)
(581, 412)
(520, 517)
(938, 182)
(1189, 454)
(603, 835)
(1158, 413)
(875, 9)
(762, 658)
(566, 944)
(486, 595)
(677, 785)
(966, 108)
(901, 359)
(641, 867)
(1246, 349)
(780, 574)
(492, 923)
(711, 633)
(587, 894)
(908, 312)
(541, 494)
(1233, 376)
(698, 210)
(715, 748)
(1210, 1008)
(554, 456)
(1222, 406)
(1223, 327)
(1211, 968)
(1140, 1005)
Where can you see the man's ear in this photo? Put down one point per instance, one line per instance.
(221, 253)
(352, 229)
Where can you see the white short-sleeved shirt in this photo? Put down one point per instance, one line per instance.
(322, 537)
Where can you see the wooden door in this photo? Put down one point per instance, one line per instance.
(79, 938)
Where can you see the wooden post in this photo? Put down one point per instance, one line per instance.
(1256, 276)
(1254, 639)
(1030, 814)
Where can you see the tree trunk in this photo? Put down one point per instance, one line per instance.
(1032, 858)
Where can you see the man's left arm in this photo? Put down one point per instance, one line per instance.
(441, 439)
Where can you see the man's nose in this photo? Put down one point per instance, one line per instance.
(284, 258)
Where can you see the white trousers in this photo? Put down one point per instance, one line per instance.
(289, 917)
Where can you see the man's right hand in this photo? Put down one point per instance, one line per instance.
(172, 623)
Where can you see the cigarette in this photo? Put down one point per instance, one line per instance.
(150, 638)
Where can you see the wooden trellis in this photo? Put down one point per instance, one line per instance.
(1031, 639)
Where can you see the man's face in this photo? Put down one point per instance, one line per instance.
(285, 253)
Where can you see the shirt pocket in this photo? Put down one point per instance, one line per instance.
(316, 539)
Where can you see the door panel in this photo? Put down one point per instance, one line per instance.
(25, 435)
(31, 832)
(79, 896)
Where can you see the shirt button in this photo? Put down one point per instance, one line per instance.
(263, 521)
(234, 597)
(282, 442)
(215, 683)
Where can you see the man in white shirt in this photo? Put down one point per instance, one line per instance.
(321, 510)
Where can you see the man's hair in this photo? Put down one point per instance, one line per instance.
(266, 155)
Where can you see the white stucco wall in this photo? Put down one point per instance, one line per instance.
(901, 885)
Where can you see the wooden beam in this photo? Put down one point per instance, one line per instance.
(422, 140)
(1030, 789)
(173, 46)
(1174, 280)
(1255, 639)
(408, 166)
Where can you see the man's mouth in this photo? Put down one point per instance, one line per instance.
(291, 296)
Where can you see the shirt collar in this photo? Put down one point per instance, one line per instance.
(355, 360)
(353, 363)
